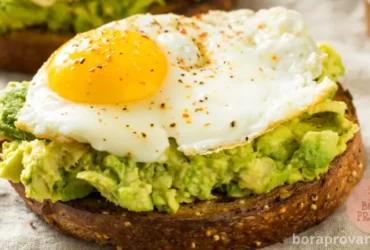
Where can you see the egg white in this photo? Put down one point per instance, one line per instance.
(251, 72)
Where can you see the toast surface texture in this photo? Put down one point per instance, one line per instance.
(26, 50)
(246, 223)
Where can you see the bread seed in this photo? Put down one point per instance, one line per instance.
(327, 197)
(266, 217)
(282, 210)
(313, 207)
(258, 243)
(239, 225)
(314, 197)
(224, 237)
(193, 245)
(208, 233)
(216, 237)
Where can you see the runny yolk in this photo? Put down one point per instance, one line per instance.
(107, 67)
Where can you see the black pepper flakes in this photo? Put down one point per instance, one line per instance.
(172, 125)
(144, 135)
(163, 106)
(99, 67)
(151, 125)
(233, 124)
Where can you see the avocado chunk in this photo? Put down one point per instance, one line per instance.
(332, 65)
(262, 175)
(12, 99)
(317, 150)
(282, 144)
(12, 159)
(37, 164)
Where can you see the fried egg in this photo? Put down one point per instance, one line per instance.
(212, 82)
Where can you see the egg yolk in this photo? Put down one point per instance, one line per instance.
(107, 67)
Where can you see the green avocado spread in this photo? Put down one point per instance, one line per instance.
(67, 16)
(299, 150)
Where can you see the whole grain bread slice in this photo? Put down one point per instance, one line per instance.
(26, 50)
(245, 223)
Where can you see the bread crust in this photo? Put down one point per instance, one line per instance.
(26, 50)
(246, 223)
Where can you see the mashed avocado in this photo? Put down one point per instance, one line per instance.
(11, 101)
(299, 150)
(67, 16)
(332, 64)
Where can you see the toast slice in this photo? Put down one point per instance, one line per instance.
(245, 223)
(26, 50)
